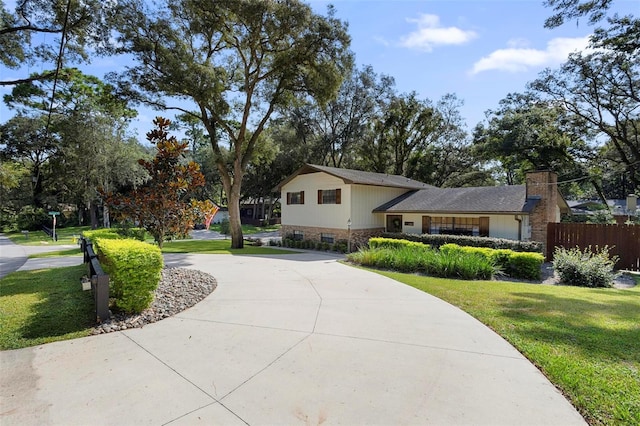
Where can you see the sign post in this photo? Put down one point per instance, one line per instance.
(54, 214)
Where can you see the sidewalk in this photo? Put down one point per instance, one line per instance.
(289, 339)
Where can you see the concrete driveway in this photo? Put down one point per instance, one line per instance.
(291, 339)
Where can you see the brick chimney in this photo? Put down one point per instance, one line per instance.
(542, 185)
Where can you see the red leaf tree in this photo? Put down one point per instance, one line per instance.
(163, 204)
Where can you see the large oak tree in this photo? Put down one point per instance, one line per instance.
(52, 33)
(239, 61)
(602, 89)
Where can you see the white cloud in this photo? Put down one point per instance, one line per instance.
(431, 34)
(381, 40)
(519, 58)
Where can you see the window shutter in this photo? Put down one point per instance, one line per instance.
(338, 196)
(484, 226)
(319, 196)
(426, 224)
(288, 198)
(302, 198)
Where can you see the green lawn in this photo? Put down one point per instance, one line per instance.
(249, 229)
(39, 238)
(217, 247)
(586, 341)
(57, 253)
(44, 306)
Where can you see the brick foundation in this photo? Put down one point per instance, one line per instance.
(359, 237)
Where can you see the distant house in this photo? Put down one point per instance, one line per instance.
(621, 209)
(328, 204)
(221, 215)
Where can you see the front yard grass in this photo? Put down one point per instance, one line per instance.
(39, 238)
(249, 229)
(586, 341)
(43, 306)
(57, 253)
(217, 247)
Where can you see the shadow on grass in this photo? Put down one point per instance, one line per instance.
(49, 302)
(607, 327)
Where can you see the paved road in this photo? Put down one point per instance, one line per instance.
(14, 257)
(290, 339)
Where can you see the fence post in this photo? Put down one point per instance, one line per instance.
(100, 284)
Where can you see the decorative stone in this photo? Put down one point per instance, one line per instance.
(179, 289)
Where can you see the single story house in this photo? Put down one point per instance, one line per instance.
(329, 204)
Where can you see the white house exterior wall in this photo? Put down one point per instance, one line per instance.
(357, 203)
(500, 226)
(310, 213)
(365, 198)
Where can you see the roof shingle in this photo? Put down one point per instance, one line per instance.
(485, 199)
(359, 177)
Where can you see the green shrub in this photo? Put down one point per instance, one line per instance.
(342, 246)
(437, 240)
(467, 266)
(525, 265)
(377, 242)
(134, 272)
(225, 227)
(8, 221)
(585, 268)
(31, 219)
(104, 233)
(133, 233)
(441, 264)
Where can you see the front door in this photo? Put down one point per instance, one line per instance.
(394, 223)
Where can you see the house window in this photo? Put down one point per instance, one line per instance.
(298, 235)
(476, 226)
(295, 197)
(329, 196)
(394, 223)
(327, 238)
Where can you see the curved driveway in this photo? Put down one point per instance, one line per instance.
(291, 339)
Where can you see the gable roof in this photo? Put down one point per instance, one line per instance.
(358, 177)
(483, 199)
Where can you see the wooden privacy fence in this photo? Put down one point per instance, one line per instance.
(623, 240)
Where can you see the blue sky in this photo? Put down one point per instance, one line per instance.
(480, 50)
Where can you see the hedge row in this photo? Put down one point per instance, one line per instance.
(341, 246)
(431, 262)
(437, 240)
(378, 242)
(106, 233)
(514, 264)
(134, 271)
(115, 233)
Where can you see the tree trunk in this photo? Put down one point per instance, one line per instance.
(269, 211)
(93, 215)
(106, 221)
(232, 187)
(237, 241)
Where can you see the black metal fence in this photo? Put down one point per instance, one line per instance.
(49, 232)
(99, 281)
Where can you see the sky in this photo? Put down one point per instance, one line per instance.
(481, 50)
